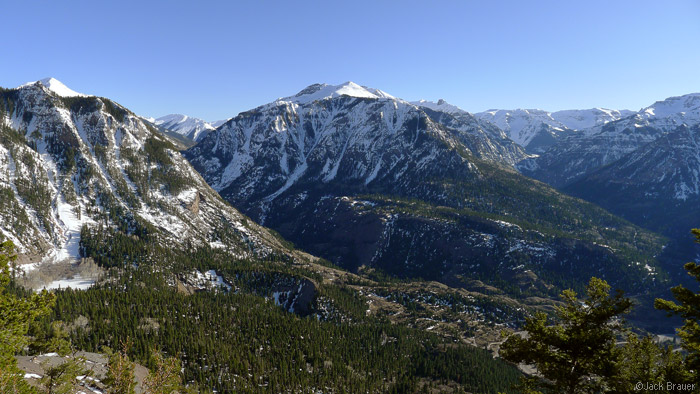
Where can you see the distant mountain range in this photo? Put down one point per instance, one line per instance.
(643, 167)
(366, 180)
(193, 128)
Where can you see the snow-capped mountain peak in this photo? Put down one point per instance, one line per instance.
(609, 141)
(441, 105)
(57, 87)
(190, 127)
(587, 118)
(687, 106)
(537, 129)
(320, 91)
(83, 159)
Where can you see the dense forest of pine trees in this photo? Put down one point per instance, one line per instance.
(241, 341)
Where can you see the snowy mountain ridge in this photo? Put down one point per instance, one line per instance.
(581, 153)
(57, 87)
(537, 129)
(441, 105)
(327, 130)
(534, 129)
(663, 115)
(72, 161)
(320, 91)
(192, 128)
(366, 180)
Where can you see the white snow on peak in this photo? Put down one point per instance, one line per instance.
(441, 105)
(523, 125)
(578, 119)
(322, 91)
(57, 87)
(663, 115)
(685, 105)
(218, 123)
(182, 124)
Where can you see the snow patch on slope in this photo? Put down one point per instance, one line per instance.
(76, 283)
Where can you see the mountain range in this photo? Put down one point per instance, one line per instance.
(643, 167)
(194, 129)
(373, 171)
(534, 129)
(594, 147)
(640, 165)
(389, 223)
(86, 183)
(369, 181)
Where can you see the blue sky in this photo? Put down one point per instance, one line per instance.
(214, 59)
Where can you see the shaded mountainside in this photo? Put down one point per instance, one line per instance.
(643, 167)
(70, 161)
(579, 154)
(574, 157)
(657, 186)
(374, 181)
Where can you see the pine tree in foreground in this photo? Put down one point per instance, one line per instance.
(688, 307)
(578, 354)
(16, 315)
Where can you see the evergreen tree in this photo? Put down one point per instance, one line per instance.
(577, 354)
(643, 360)
(16, 314)
(164, 377)
(51, 339)
(688, 307)
(120, 371)
(61, 379)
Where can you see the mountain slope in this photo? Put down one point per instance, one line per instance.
(83, 177)
(574, 157)
(488, 139)
(351, 137)
(73, 161)
(656, 186)
(373, 182)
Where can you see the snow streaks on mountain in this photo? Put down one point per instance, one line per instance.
(326, 132)
(358, 176)
(192, 128)
(68, 161)
(574, 157)
(536, 129)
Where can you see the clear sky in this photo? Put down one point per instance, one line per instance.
(213, 59)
